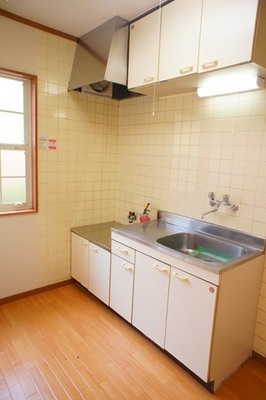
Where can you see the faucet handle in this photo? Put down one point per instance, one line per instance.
(235, 207)
(211, 197)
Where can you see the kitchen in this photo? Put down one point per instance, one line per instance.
(112, 157)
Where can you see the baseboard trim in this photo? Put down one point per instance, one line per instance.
(35, 291)
(258, 357)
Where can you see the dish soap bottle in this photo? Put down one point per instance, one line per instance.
(144, 216)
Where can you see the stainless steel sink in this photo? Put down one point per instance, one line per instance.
(203, 247)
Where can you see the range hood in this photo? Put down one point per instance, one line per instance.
(100, 63)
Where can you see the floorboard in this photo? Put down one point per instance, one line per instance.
(64, 344)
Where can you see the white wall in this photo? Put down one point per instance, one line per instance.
(18, 254)
(18, 44)
(18, 234)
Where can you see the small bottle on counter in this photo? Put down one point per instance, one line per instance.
(144, 216)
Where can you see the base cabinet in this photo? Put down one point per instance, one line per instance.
(90, 266)
(80, 259)
(99, 272)
(204, 322)
(122, 279)
(121, 290)
(150, 297)
(235, 319)
(190, 321)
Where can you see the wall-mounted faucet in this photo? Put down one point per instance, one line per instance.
(217, 203)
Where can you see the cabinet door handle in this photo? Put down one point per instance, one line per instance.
(93, 248)
(127, 267)
(122, 249)
(84, 243)
(148, 79)
(210, 64)
(180, 277)
(186, 70)
(161, 269)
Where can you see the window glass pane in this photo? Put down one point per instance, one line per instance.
(11, 128)
(11, 95)
(13, 163)
(13, 190)
(18, 167)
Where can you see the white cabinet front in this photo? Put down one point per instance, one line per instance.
(99, 272)
(144, 51)
(121, 288)
(123, 251)
(150, 297)
(227, 33)
(190, 321)
(79, 259)
(180, 33)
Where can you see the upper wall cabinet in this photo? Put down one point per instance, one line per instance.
(174, 46)
(227, 32)
(180, 32)
(144, 50)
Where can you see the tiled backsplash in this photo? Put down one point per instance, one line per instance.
(112, 157)
(192, 146)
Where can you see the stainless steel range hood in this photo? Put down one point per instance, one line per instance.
(100, 63)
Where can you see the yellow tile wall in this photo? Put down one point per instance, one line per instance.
(173, 151)
(113, 157)
(77, 180)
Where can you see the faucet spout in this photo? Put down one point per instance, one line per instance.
(211, 211)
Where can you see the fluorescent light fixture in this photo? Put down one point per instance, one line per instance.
(227, 86)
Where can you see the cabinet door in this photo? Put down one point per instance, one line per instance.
(180, 31)
(121, 288)
(79, 259)
(144, 51)
(99, 272)
(190, 321)
(227, 33)
(150, 297)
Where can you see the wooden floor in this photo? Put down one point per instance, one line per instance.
(63, 344)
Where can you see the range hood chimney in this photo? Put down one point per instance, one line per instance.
(100, 63)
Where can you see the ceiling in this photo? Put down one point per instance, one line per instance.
(76, 17)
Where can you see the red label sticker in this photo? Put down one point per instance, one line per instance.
(52, 144)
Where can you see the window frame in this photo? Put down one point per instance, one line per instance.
(31, 182)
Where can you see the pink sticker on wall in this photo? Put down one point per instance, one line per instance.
(52, 144)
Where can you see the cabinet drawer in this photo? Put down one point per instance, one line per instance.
(123, 251)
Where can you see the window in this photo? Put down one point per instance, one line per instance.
(18, 153)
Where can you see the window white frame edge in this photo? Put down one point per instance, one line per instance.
(34, 149)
